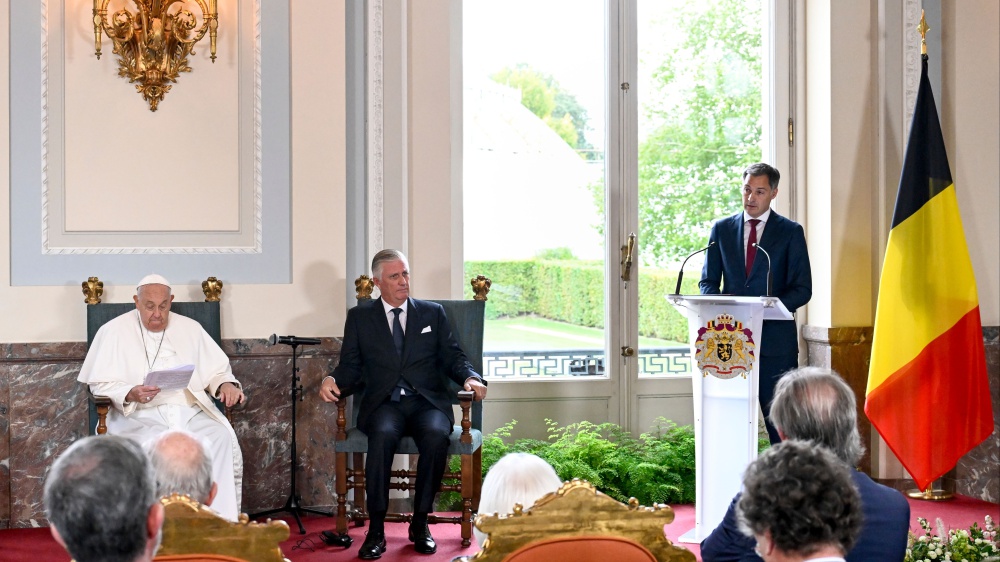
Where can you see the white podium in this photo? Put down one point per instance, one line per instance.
(724, 332)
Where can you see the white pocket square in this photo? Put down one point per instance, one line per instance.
(426, 330)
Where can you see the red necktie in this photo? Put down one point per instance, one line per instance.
(751, 249)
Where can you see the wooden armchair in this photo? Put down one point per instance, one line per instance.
(207, 314)
(466, 318)
(193, 532)
(579, 523)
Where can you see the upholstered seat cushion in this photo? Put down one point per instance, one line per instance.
(583, 549)
(357, 442)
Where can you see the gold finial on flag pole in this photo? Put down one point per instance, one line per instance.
(922, 29)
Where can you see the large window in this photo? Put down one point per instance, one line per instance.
(563, 161)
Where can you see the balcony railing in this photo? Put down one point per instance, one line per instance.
(580, 363)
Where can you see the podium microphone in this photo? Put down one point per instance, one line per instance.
(680, 275)
(292, 340)
(756, 245)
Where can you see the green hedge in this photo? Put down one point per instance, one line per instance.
(573, 291)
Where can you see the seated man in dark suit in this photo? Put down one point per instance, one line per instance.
(404, 373)
(733, 266)
(814, 404)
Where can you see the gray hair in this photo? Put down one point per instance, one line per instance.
(815, 404)
(181, 465)
(383, 257)
(762, 169)
(516, 478)
(98, 495)
(801, 494)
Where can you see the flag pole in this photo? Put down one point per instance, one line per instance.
(932, 493)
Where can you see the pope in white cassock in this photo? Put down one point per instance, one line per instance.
(140, 341)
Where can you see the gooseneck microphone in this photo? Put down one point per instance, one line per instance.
(292, 340)
(680, 276)
(756, 245)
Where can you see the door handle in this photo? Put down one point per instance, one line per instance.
(627, 251)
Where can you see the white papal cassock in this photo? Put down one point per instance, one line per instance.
(123, 351)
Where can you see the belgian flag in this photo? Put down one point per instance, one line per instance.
(928, 394)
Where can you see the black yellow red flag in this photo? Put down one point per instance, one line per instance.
(928, 393)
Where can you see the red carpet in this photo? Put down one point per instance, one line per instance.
(37, 545)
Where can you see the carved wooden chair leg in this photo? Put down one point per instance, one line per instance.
(360, 506)
(468, 485)
(477, 476)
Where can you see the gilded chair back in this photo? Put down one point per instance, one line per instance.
(192, 531)
(577, 522)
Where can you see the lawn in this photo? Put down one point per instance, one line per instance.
(527, 333)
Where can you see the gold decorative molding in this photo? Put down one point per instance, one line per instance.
(212, 288)
(153, 43)
(93, 288)
(481, 286)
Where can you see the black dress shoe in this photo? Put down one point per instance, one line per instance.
(422, 540)
(373, 547)
(334, 538)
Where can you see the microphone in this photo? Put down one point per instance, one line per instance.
(292, 340)
(756, 245)
(680, 275)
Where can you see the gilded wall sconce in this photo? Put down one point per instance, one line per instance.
(153, 41)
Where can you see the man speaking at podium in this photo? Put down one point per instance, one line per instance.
(737, 264)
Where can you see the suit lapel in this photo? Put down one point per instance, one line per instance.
(771, 228)
(413, 326)
(380, 326)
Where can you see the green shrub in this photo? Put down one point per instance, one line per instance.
(573, 291)
(656, 467)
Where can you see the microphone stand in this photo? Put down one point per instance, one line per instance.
(293, 503)
(680, 275)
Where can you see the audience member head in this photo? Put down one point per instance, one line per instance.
(799, 502)
(101, 502)
(516, 478)
(181, 465)
(153, 296)
(815, 404)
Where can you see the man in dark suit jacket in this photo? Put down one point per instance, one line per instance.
(404, 373)
(815, 404)
(733, 266)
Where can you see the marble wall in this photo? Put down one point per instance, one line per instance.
(848, 351)
(43, 410)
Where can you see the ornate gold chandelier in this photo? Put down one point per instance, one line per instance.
(153, 42)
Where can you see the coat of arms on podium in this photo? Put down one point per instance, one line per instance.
(724, 348)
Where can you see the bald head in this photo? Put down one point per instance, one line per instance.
(182, 465)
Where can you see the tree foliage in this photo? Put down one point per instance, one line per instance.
(544, 97)
(704, 125)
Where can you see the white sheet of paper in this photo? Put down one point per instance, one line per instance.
(176, 378)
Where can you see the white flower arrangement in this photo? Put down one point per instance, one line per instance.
(955, 545)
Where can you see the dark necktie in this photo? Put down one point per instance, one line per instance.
(397, 330)
(751, 249)
(403, 388)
